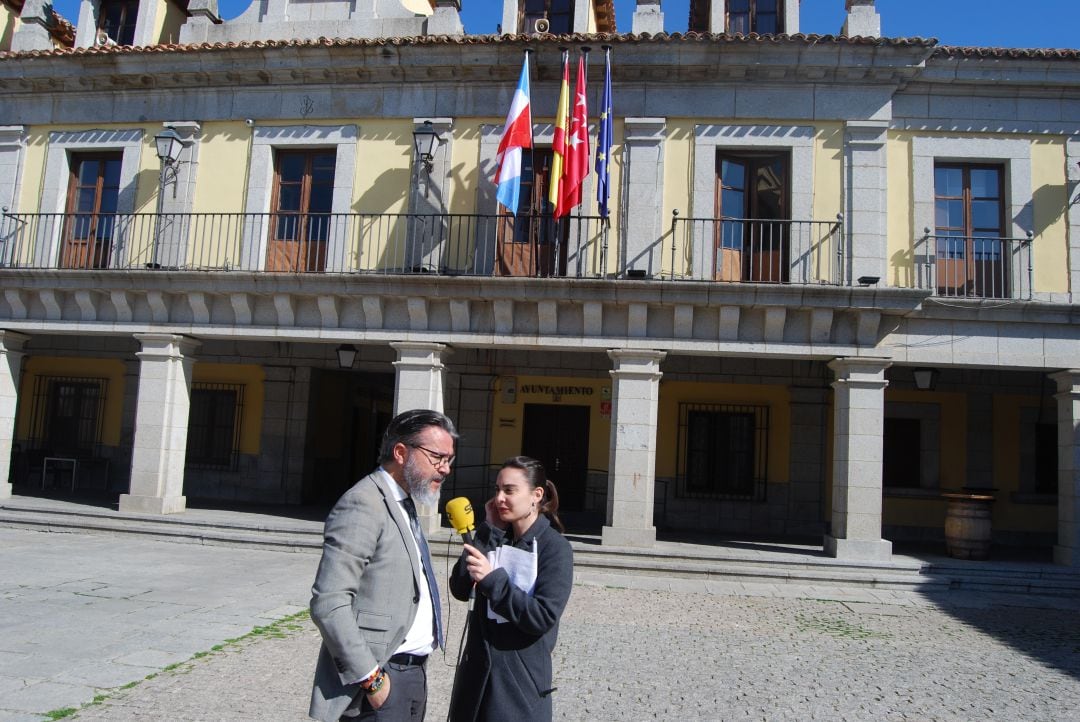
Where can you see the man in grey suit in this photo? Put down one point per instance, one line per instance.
(374, 600)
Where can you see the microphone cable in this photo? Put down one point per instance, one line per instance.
(464, 627)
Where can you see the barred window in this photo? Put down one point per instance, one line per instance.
(723, 451)
(66, 414)
(214, 426)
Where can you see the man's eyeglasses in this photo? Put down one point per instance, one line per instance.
(435, 457)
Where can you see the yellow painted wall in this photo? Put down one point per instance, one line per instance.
(223, 167)
(418, 7)
(253, 379)
(1007, 514)
(508, 418)
(673, 393)
(169, 18)
(952, 429)
(900, 202)
(1049, 203)
(9, 22)
(111, 369)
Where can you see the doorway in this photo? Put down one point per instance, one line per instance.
(347, 415)
(558, 437)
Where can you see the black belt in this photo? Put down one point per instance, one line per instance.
(409, 660)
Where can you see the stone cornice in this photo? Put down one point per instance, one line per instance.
(674, 316)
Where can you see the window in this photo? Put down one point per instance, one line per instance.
(90, 222)
(214, 426)
(66, 413)
(558, 13)
(531, 242)
(902, 453)
(723, 451)
(116, 18)
(302, 203)
(752, 195)
(969, 224)
(754, 16)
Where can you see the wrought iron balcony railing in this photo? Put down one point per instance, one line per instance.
(975, 266)
(758, 250)
(449, 244)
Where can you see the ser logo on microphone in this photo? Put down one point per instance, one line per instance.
(460, 511)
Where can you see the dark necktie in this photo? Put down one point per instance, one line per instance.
(425, 558)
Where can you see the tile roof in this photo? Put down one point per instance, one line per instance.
(620, 38)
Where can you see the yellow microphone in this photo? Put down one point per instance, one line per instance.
(459, 509)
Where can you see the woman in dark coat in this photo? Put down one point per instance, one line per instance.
(505, 671)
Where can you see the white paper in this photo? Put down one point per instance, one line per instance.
(520, 566)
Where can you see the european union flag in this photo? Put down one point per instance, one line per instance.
(603, 142)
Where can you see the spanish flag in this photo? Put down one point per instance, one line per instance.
(558, 145)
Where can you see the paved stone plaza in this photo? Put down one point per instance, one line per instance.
(627, 651)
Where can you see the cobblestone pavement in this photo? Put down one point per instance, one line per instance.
(641, 654)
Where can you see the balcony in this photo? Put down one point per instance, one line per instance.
(537, 246)
(954, 266)
(450, 244)
(747, 250)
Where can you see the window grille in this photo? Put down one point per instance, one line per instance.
(214, 423)
(723, 451)
(66, 414)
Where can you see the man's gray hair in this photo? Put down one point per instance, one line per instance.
(406, 428)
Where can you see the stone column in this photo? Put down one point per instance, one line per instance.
(859, 409)
(632, 450)
(420, 377)
(644, 174)
(1072, 173)
(159, 455)
(1067, 550)
(867, 198)
(11, 358)
(32, 30)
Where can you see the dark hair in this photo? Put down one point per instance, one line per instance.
(406, 427)
(537, 478)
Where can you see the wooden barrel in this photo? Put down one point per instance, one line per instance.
(967, 525)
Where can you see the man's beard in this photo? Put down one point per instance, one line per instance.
(419, 485)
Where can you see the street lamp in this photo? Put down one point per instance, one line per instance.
(169, 145)
(426, 141)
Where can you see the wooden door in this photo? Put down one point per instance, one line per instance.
(90, 221)
(752, 235)
(301, 204)
(532, 243)
(969, 225)
(558, 437)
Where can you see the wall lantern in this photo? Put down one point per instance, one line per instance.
(426, 141)
(346, 355)
(169, 146)
(865, 281)
(925, 378)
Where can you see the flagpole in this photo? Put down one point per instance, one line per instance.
(604, 109)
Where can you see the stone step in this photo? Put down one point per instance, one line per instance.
(784, 565)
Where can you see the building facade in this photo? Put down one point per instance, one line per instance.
(837, 281)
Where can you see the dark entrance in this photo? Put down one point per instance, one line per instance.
(347, 415)
(558, 436)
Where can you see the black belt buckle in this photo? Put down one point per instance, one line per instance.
(409, 660)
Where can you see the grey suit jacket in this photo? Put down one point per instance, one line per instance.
(365, 594)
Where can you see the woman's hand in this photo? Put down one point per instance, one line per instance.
(476, 563)
(491, 515)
